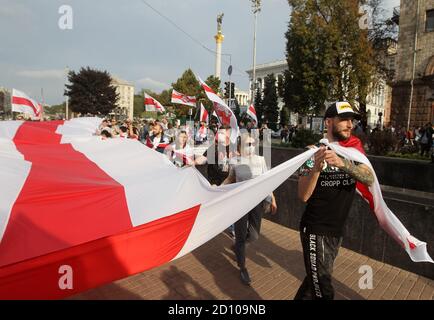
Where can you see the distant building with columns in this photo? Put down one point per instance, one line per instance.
(125, 103)
(262, 70)
(242, 97)
(378, 100)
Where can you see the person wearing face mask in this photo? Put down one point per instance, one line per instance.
(249, 165)
(218, 157)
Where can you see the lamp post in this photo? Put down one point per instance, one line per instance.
(256, 7)
(67, 98)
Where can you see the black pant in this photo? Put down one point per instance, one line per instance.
(319, 253)
(424, 148)
(247, 229)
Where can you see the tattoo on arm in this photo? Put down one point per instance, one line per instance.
(359, 172)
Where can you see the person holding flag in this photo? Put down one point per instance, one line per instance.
(157, 140)
(327, 183)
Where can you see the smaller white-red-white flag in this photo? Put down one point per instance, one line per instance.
(153, 105)
(204, 116)
(251, 112)
(224, 113)
(181, 98)
(24, 104)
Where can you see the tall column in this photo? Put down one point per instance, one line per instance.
(218, 59)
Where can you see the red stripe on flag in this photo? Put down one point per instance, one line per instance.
(24, 102)
(66, 199)
(101, 261)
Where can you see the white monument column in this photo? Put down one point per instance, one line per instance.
(219, 40)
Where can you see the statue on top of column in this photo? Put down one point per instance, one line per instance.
(219, 22)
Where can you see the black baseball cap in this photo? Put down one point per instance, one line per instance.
(341, 109)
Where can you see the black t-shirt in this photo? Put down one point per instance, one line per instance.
(218, 165)
(329, 205)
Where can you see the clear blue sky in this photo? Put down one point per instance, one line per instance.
(131, 41)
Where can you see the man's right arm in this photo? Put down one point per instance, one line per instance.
(307, 181)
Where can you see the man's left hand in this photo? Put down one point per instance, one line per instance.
(333, 159)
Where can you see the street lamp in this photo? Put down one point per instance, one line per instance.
(256, 7)
(67, 98)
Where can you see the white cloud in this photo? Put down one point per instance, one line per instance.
(43, 74)
(148, 83)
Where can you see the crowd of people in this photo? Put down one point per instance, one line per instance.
(414, 140)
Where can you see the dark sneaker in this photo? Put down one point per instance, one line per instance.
(245, 278)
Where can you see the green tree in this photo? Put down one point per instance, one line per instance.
(329, 57)
(55, 109)
(90, 92)
(269, 102)
(214, 83)
(138, 105)
(186, 84)
(284, 116)
(258, 105)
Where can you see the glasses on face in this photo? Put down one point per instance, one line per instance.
(250, 144)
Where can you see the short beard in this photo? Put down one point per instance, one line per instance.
(337, 135)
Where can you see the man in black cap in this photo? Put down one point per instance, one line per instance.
(327, 184)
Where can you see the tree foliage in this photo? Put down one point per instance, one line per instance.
(329, 56)
(270, 99)
(90, 92)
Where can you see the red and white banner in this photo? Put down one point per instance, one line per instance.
(224, 113)
(181, 98)
(251, 112)
(152, 104)
(70, 203)
(352, 149)
(215, 115)
(204, 116)
(24, 104)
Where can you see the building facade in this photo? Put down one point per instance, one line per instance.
(378, 100)
(125, 104)
(413, 90)
(277, 68)
(242, 97)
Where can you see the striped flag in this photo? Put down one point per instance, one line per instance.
(224, 113)
(251, 112)
(71, 201)
(352, 149)
(204, 117)
(181, 98)
(24, 104)
(152, 104)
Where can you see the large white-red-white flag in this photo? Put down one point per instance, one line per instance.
(204, 116)
(152, 104)
(69, 201)
(224, 113)
(24, 104)
(251, 112)
(181, 98)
